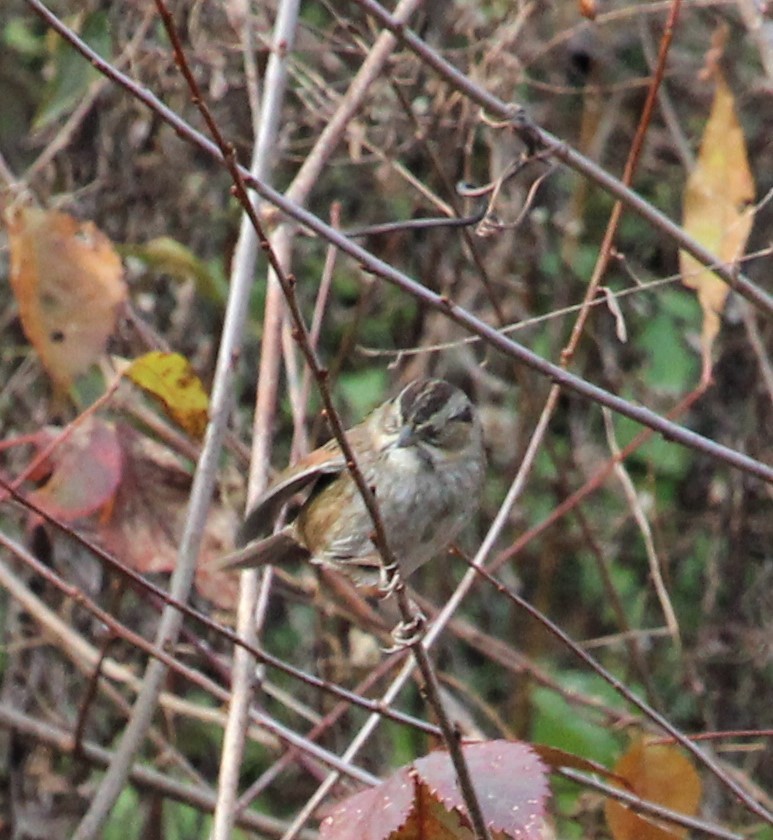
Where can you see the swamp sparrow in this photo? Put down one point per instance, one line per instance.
(421, 453)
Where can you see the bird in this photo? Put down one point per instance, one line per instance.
(421, 453)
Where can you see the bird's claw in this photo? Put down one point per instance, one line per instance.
(408, 633)
(388, 580)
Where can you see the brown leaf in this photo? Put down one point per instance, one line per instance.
(150, 509)
(716, 210)
(556, 758)
(423, 801)
(68, 281)
(658, 773)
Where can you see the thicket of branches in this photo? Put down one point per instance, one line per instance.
(663, 571)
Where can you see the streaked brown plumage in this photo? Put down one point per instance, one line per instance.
(423, 455)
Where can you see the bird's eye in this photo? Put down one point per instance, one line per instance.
(464, 415)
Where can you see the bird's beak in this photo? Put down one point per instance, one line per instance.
(407, 437)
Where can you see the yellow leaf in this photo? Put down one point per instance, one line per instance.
(658, 773)
(717, 211)
(68, 282)
(170, 378)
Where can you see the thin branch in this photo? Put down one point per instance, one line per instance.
(648, 808)
(141, 776)
(537, 137)
(671, 431)
(186, 610)
(242, 273)
(659, 720)
(165, 659)
(644, 527)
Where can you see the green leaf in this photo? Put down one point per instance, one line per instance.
(72, 74)
(666, 459)
(570, 728)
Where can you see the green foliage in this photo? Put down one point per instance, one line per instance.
(571, 728)
(672, 366)
(71, 75)
(123, 823)
(181, 822)
(657, 455)
(165, 255)
(20, 36)
(627, 580)
(364, 390)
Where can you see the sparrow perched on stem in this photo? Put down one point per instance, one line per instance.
(422, 455)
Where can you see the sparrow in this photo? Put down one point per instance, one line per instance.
(422, 455)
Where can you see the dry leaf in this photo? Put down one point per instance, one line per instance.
(68, 281)
(658, 773)
(716, 210)
(86, 469)
(146, 489)
(170, 378)
(150, 509)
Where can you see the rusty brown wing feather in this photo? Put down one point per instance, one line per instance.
(325, 461)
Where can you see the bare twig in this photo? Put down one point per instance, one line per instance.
(184, 609)
(644, 527)
(669, 430)
(251, 596)
(168, 661)
(704, 758)
(537, 136)
(143, 777)
(652, 809)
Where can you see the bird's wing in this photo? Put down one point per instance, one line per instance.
(274, 550)
(325, 461)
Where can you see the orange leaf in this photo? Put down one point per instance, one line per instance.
(170, 378)
(658, 773)
(716, 209)
(68, 281)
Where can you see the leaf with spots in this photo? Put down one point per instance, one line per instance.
(509, 779)
(374, 813)
(68, 282)
(424, 800)
(172, 381)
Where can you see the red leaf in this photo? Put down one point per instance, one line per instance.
(372, 814)
(509, 780)
(87, 469)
